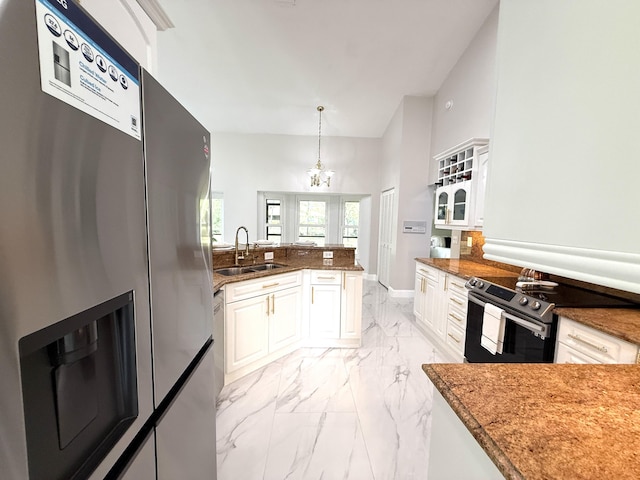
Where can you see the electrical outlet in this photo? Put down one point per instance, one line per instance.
(469, 241)
(268, 255)
(327, 254)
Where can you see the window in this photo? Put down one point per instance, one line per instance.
(205, 220)
(211, 222)
(312, 221)
(326, 219)
(351, 221)
(274, 219)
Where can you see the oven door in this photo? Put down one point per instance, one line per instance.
(525, 340)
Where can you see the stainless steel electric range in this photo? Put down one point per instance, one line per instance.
(527, 311)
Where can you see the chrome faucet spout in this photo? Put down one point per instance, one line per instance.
(242, 256)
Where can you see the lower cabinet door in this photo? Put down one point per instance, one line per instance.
(285, 318)
(418, 300)
(351, 315)
(247, 331)
(324, 311)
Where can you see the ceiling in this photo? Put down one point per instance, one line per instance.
(263, 66)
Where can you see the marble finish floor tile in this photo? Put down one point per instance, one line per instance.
(359, 414)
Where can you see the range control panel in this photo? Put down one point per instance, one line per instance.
(528, 304)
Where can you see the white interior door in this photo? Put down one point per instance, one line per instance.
(385, 242)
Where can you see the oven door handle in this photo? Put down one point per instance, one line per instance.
(533, 327)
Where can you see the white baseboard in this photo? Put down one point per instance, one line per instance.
(370, 276)
(401, 293)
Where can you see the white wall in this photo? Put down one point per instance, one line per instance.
(563, 161)
(129, 25)
(245, 164)
(471, 87)
(406, 147)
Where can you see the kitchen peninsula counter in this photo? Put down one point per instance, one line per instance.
(548, 421)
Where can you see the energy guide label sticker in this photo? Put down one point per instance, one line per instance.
(83, 67)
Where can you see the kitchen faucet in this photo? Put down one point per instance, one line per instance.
(242, 256)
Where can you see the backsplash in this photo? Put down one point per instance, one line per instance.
(475, 252)
(283, 254)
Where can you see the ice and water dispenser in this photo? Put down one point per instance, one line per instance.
(79, 388)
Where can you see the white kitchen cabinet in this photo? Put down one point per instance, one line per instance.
(453, 205)
(459, 183)
(262, 322)
(271, 316)
(335, 309)
(426, 304)
(247, 332)
(456, 320)
(419, 299)
(284, 318)
(351, 306)
(440, 308)
(324, 311)
(578, 343)
(481, 185)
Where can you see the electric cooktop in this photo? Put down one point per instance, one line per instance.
(561, 295)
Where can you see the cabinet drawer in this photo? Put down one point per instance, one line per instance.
(428, 272)
(456, 316)
(458, 302)
(600, 346)
(326, 277)
(455, 338)
(272, 283)
(566, 354)
(456, 285)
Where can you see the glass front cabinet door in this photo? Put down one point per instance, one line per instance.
(442, 206)
(459, 171)
(452, 205)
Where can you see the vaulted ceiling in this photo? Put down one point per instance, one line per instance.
(263, 66)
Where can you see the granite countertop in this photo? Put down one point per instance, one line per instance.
(548, 421)
(466, 268)
(290, 265)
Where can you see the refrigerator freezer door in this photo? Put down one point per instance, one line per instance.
(177, 175)
(186, 435)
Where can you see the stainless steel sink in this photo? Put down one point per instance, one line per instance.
(266, 266)
(230, 271)
(233, 271)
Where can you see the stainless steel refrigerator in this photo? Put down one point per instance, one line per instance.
(177, 161)
(105, 275)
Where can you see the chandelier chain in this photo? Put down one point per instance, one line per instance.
(320, 109)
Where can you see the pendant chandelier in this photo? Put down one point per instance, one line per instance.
(317, 174)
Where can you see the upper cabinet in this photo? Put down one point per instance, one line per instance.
(562, 192)
(460, 185)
